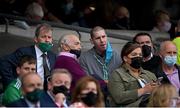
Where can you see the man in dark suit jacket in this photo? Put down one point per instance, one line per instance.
(43, 44)
(45, 101)
(34, 96)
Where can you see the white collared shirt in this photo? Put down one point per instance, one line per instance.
(64, 102)
(31, 105)
(39, 61)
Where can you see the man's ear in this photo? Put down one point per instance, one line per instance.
(64, 47)
(125, 58)
(35, 40)
(91, 41)
(18, 70)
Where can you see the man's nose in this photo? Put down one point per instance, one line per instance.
(101, 39)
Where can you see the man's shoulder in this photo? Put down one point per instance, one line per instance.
(116, 52)
(18, 103)
(13, 86)
(87, 53)
(26, 48)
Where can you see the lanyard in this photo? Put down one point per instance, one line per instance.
(104, 68)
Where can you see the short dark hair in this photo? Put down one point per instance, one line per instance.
(26, 58)
(140, 34)
(95, 29)
(128, 48)
(41, 27)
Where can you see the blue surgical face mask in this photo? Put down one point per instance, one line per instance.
(170, 60)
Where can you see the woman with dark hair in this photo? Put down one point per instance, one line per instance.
(129, 83)
(87, 93)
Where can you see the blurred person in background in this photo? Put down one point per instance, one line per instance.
(34, 11)
(163, 23)
(121, 18)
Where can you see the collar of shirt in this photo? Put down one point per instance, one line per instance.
(64, 103)
(175, 71)
(32, 105)
(48, 92)
(68, 54)
(38, 52)
(147, 59)
(98, 53)
(128, 69)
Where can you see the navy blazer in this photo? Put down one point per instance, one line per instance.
(9, 62)
(45, 101)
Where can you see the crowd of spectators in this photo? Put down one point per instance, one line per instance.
(111, 14)
(34, 76)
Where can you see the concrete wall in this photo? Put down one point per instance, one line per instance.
(18, 37)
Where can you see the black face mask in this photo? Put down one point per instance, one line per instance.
(60, 89)
(136, 62)
(76, 52)
(89, 99)
(146, 50)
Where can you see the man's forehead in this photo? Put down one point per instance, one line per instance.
(44, 32)
(60, 76)
(143, 38)
(72, 38)
(100, 33)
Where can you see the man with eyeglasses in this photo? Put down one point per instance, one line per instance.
(150, 60)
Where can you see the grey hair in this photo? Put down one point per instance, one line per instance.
(60, 71)
(63, 39)
(164, 43)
